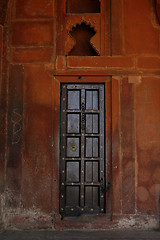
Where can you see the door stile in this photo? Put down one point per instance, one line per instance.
(82, 148)
(102, 150)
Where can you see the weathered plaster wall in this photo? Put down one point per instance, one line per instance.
(1, 134)
(3, 99)
(28, 192)
(31, 167)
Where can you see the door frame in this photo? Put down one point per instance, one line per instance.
(107, 81)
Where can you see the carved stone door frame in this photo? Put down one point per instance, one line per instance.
(106, 80)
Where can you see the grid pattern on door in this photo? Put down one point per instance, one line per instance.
(82, 159)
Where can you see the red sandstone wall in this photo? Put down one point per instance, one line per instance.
(31, 193)
(148, 140)
(30, 160)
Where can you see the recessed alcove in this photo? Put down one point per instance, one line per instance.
(73, 37)
(83, 6)
(82, 34)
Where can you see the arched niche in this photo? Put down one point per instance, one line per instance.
(72, 13)
(82, 34)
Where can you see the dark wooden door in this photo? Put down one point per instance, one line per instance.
(82, 171)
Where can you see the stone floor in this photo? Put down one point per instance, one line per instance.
(78, 235)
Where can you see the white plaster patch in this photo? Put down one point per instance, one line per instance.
(126, 223)
(139, 222)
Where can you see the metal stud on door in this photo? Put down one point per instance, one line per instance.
(82, 175)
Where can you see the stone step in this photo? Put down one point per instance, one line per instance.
(80, 235)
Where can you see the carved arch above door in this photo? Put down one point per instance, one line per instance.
(99, 20)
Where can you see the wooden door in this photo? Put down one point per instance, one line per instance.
(82, 158)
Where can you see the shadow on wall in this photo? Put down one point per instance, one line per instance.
(3, 11)
(157, 9)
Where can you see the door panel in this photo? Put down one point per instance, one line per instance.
(91, 171)
(82, 177)
(72, 196)
(92, 196)
(92, 147)
(92, 123)
(73, 99)
(73, 123)
(92, 99)
(73, 147)
(72, 171)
